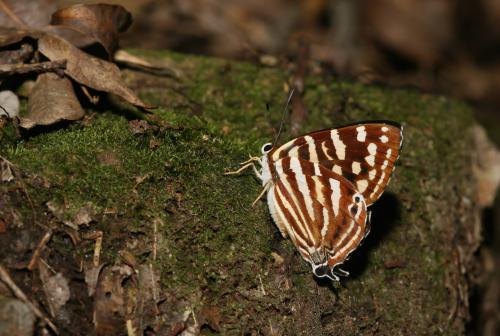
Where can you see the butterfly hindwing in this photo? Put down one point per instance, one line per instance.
(364, 154)
(321, 211)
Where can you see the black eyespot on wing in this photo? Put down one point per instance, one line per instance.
(357, 199)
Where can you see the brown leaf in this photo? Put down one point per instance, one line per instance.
(56, 288)
(141, 126)
(26, 13)
(52, 99)
(86, 69)
(211, 315)
(92, 276)
(86, 24)
(5, 171)
(12, 35)
(84, 216)
(109, 307)
(486, 167)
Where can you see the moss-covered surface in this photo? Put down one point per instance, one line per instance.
(215, 250)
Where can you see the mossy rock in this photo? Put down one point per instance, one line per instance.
(215, 250)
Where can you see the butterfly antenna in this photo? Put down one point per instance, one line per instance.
(285, 109)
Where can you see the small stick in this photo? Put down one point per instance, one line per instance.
(97, 249)
(45, 239)
(154, 290)
(22, 68)
(155, 239)
(93, 99)
(130, 328)
(5, 277)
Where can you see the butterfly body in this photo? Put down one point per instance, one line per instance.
(320, 185)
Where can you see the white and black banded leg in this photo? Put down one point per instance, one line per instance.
(325, 271)
(368, 223)
(340, 272)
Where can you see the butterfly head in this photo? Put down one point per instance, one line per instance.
(265, 173)
(266, 148)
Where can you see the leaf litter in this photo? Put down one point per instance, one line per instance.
(30, 26)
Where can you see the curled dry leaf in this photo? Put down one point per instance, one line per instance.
(11, 35)
(9, 104)
(83, 25)
(92, 276)
(163, 67)
(86, 69)
(52, 99)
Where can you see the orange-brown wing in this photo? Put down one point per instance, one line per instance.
(321, 211)
(365, 154)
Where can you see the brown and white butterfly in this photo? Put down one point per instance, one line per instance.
(319, 187)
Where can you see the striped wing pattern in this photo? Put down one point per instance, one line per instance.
(364, 154)
(320, 211)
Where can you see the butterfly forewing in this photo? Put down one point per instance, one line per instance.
(364, 154)
(321, 211)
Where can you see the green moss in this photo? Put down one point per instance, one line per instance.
(212, 240)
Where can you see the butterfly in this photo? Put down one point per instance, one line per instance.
(319, 187)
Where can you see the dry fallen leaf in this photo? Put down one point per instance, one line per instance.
(83, 25)
(211, 316)
(109, 301)
(83, 216)
(486, 167)
(9, 104)
(52, 99)
(86, 69)
(141, 126)
(92, 276)
(5, 171)
(56, 289)
(11, 35)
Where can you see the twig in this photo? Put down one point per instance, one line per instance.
(155, 238)
(5, 277)
(97, 236)
(130, 328)
(21, 68)
(154, 290)
(92, 99)
(38, 250)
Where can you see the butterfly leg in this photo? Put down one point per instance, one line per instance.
(251, 159)
(251, 164)
(266, 187)
(244, 165)
(340, 272)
